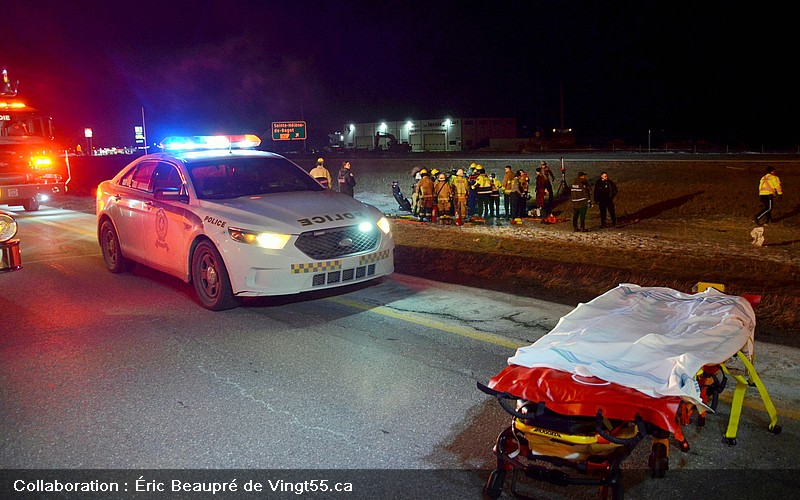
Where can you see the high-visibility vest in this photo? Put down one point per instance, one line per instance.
(770, 184)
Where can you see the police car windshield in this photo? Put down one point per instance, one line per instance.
(232, 177)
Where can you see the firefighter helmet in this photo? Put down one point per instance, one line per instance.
(434, 172)
(424, 171)
(320, 161)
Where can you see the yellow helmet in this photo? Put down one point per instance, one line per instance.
(424, 171)
(434, 171)
(479, 168)
(472, 165)
(320, 160)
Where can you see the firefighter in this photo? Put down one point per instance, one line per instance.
(443, 195)
(483, 190)
(494, 198)
(321, 174)
(515, 194)
(425, 193)
(460, 191)
(550, 176)
(472, 196)
(508, 178)
(768, 188)
(415, 193)
(524, 182)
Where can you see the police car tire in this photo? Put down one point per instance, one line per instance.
(112, 252)
(213, 290)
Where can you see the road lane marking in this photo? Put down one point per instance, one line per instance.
(489, 338)
(78, 230)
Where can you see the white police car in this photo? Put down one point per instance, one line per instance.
(237, 222)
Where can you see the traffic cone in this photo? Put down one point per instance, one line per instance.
(434, 213)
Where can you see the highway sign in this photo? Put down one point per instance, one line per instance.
(289, 131)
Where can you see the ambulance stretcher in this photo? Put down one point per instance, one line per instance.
(633, 362)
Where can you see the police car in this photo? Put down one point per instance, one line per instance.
(237, 222)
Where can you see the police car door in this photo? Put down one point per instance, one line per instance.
(165, 226)
(129, 207)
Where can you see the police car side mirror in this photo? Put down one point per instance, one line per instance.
(171, 194)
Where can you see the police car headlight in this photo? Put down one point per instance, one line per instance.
(8, 227)
(384, 225)
(273, 241)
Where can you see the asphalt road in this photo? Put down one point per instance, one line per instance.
(128, 372)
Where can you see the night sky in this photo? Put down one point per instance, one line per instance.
(682, 70)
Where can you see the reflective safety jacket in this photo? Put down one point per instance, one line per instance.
(579, 193)
(322, 175)
(507, 180)
(460, 187)
(769, 184)
(483, 185)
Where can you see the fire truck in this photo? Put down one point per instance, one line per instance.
(32, 165)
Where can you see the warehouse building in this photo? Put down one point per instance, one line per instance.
(449, 134)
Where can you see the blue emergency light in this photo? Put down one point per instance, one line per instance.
(198, 142)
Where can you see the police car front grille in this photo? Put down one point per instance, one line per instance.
(343, 276)
(339, 242)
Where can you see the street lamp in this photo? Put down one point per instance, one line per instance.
(87, 132)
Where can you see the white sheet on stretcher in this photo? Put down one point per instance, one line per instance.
(651, 339)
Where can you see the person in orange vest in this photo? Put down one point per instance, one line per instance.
(768, 188)
(460, 185)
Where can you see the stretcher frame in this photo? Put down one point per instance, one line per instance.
(514, 453)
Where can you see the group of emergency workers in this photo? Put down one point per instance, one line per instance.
(475, 194)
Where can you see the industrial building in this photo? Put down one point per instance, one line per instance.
(440, 134)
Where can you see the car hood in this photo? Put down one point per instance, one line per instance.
(292, 213)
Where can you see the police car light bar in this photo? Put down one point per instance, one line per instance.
(210, 142)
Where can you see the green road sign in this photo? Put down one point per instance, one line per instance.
(289, 131)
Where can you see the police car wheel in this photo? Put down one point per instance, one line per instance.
(210, 278)
(112, 253)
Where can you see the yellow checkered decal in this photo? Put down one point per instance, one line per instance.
(316, 267)
(375, 257)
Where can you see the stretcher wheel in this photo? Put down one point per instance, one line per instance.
(494, 485)
(776, 429)
(617, 491)
(658, 461)
(730, 441)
